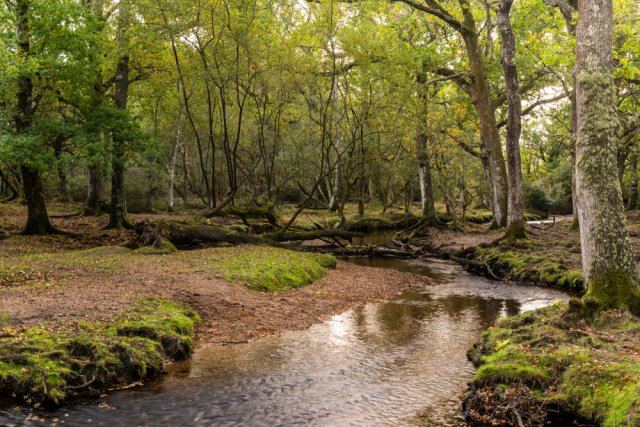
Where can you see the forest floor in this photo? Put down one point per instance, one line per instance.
(63, 279)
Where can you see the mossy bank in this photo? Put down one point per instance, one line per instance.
(522, 263)
(546, 364)
(49, 364)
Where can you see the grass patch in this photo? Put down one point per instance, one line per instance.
(37, 269)
(269, 269)
(591, 370)
(45, 366)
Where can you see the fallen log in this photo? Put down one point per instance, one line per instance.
(157, 233)
(311, 235)
(360, 251)
(245, 213)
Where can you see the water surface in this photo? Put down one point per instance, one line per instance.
(401, 362)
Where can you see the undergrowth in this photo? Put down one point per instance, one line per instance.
(45, 365)
(587, 368)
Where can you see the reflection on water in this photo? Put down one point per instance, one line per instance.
(398, 363)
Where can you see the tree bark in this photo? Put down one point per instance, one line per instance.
(633, 178)
(118, 217)
(172, 163)
(37, 217)
(608, 262)
(95, 190)
(515, 215)
(486, 116)
(7, 185)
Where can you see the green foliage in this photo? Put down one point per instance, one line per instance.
(536, 199)
(43, 365)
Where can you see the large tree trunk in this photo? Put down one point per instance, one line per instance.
(95, 190)
(118, 210)
(515, 215)
(37, 217)
(575, 224)
(633, 178)
(608, 261)
(488, 128)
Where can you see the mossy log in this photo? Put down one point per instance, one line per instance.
(292, 236)
(245, 213)
(159, 233)
(372, 224)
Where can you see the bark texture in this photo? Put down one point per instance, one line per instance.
(608, 261)
(424, 171)
(118, 210)
(515, 215)
(483, 102)
(37, 218)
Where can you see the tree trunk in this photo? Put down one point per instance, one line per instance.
(172, 163)
(633, 178)
(336, 196)
(118, 210)
(7, 185)
(575, 224)
(488, 128)
(424, 172)
(608, 261)
(37, 217)
(95, 190)
(515, 215)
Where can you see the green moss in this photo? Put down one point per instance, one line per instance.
(270, 269)
(614, 289)
(586, 370)
(516, 231)
(524, 266)
(43, 365)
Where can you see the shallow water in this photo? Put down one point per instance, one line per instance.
(401, 362)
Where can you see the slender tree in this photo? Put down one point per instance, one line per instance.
(118, 209)
(515, 214)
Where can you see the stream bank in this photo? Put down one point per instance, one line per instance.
(398, 362)
(555, 362)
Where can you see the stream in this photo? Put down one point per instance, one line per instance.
(401, 362)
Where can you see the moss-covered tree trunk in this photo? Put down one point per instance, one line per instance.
(608, 261)
(633, 178)
(515, 212)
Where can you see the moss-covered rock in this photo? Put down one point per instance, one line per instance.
(46, 365)
(541, 361)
